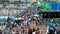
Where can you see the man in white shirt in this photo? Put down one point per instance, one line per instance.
(33, 32)
(13, 32)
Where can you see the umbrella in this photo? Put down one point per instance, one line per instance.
(36, 15)
(14, 18)
(21, 18)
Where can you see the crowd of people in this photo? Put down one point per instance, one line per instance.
(22, 26)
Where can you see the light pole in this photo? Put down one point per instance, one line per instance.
(41, 24)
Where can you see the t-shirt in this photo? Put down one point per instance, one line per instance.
(13, 32)
(11, 22)
(37, 32)
(19, 32)
(33, 32)
(29, 29)
(27, 22)
(19, 24)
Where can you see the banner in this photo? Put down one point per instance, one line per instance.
(54, 6)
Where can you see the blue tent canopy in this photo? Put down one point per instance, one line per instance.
(59, 6)
(54, 6)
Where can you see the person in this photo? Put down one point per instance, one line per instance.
(22, 28)
(0, 32)
(17, 32)
(20, 24)
(37, 31)
(52, 28)
(58, 32)
(8, 31)
(33, 31)
(51, 31)
(27, 23)
(29, 30)
(13, 32)
(35, 7)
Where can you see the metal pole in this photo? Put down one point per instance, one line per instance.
(49, 16)
(4, 17)
(41, 24)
